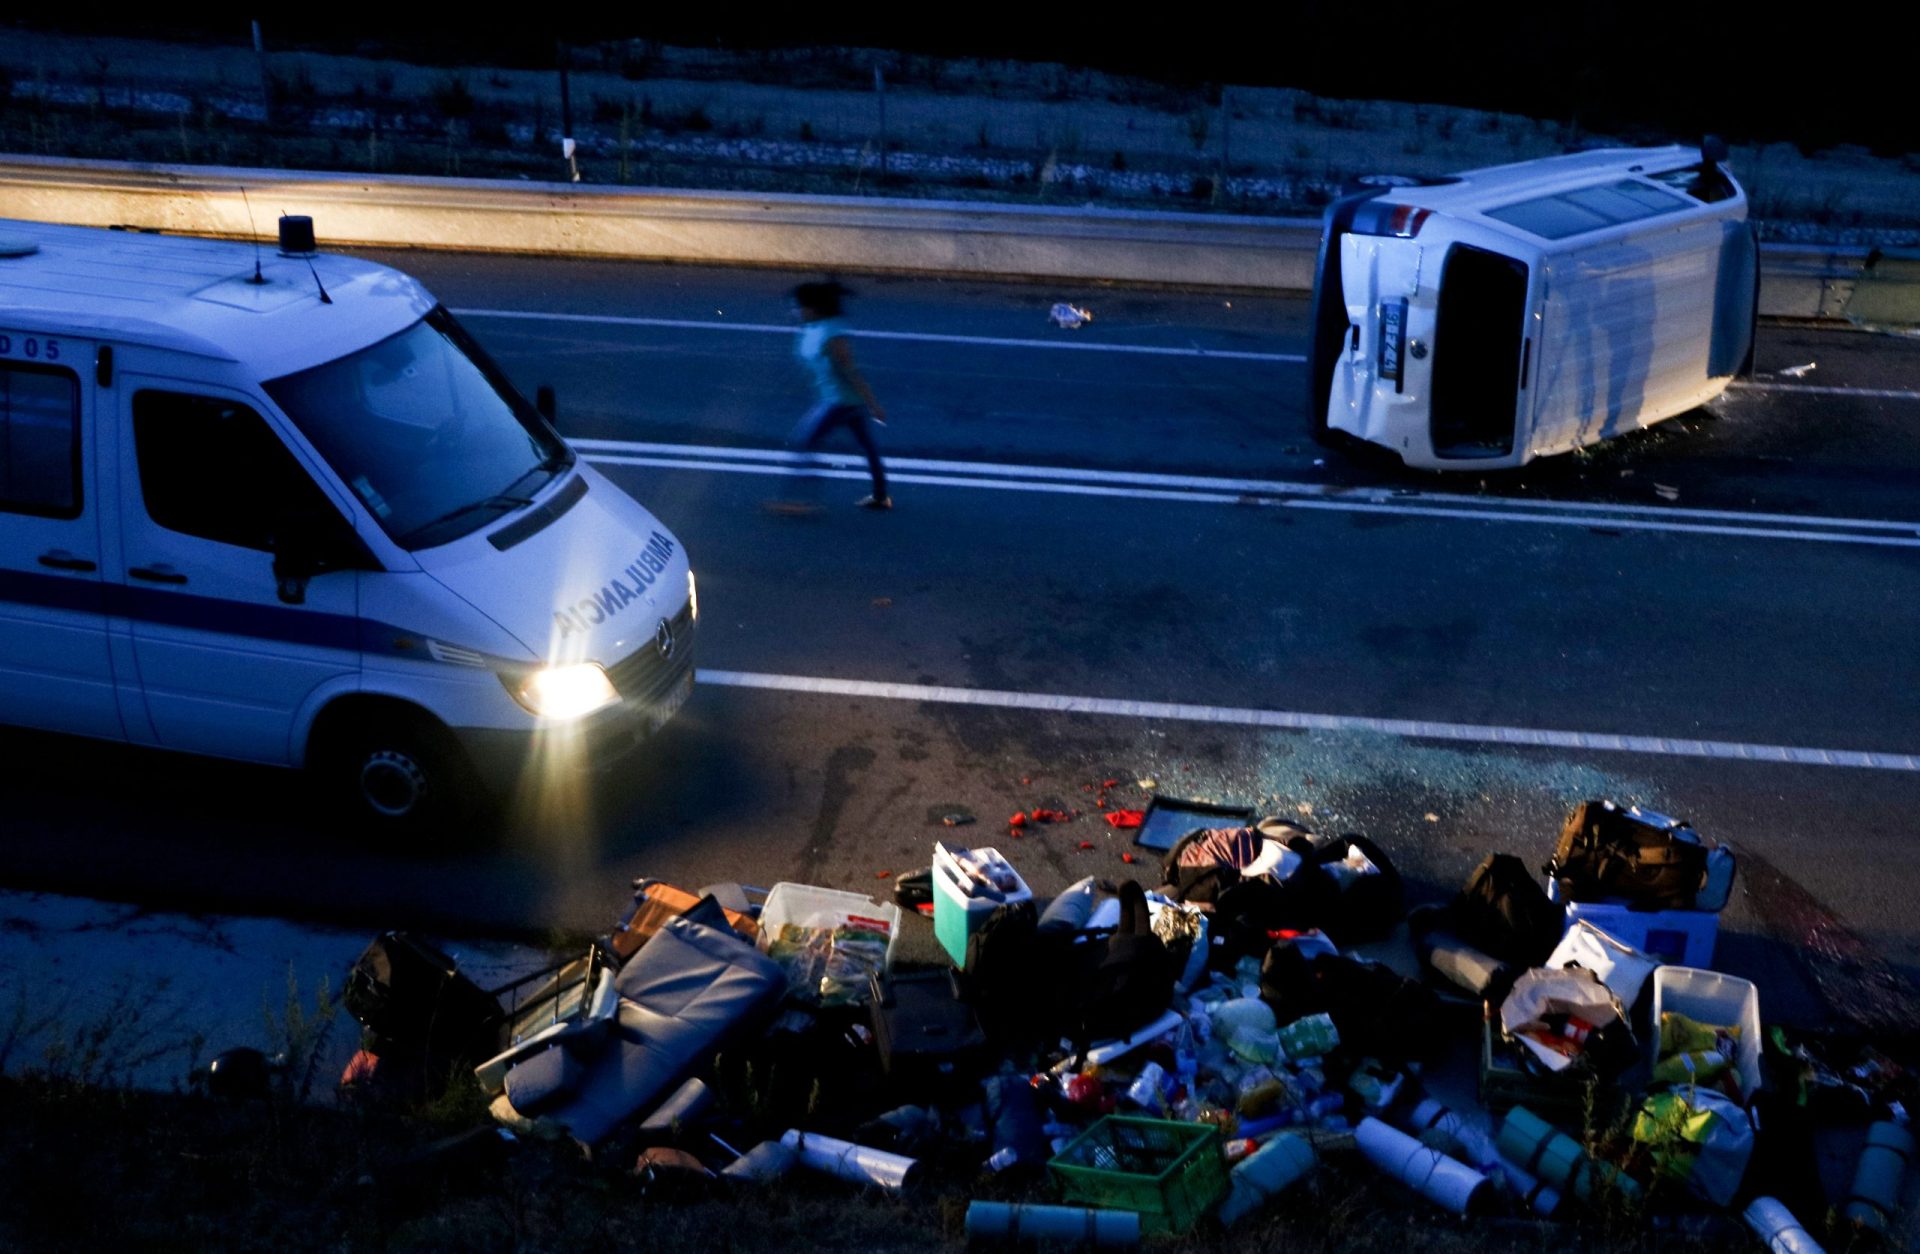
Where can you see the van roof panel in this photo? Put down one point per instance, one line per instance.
(196, 296)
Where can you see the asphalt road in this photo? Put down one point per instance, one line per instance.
(1701, 618)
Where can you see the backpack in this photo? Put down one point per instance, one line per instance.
(1132, 982)
(1655, 862)
(1378, 1012)
(1001, 976)
(1503, 912)
(1365, 907)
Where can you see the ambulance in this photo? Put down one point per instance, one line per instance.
(277, 506)
(1485, 319)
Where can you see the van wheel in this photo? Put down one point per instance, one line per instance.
(400, 775)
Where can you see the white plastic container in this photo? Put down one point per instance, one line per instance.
(807, 906)
(1721, 1000)
(960, 906)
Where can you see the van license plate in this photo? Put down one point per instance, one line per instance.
(1393, 338)
(670, 706)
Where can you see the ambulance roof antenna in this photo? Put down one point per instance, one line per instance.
(254, 232)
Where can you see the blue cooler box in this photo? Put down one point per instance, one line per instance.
(1682, 938)
(958, 909)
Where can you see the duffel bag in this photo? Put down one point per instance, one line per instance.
(1655, 862)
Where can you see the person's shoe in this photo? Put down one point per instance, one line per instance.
(875, 502)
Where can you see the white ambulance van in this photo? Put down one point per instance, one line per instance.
(1499, 315)
(278, 506)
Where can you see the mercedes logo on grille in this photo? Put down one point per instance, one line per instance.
(663, 639)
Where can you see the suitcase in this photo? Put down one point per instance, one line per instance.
(927, 1036)
(415, 1002)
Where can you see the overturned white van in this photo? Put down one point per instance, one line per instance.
(279, 507)
(1504, 314)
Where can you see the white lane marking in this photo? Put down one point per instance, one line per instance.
(1269, 487)
(1087, 346)
(1292, 720)
(927, 337)
(1815, 389)
(1283, 494)
(895, 475)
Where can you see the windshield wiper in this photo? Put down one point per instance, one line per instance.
(499, 501)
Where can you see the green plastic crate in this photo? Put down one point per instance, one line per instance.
(1506, 1081)
(1167, 1172)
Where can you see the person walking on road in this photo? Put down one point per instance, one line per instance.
(841, 396)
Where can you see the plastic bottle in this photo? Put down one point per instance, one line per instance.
(1714, 894)
(1265, 1172)
(1309, 1037)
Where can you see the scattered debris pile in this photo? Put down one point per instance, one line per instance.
(1121, 1061)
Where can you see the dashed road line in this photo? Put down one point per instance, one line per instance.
(1076, 345)
(1294, 720)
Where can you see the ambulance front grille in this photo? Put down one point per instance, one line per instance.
(645, 675)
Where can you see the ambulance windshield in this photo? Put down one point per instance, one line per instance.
(426, 431)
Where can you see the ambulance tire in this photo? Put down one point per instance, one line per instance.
(399, 772)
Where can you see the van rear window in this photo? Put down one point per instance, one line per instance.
(1589, 209)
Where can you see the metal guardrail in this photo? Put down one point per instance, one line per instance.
(801, 232)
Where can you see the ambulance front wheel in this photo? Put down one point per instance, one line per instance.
(399, 773)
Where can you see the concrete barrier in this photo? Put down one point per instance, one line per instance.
(799, 232)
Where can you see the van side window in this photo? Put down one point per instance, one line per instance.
(39, 441)
(212, 468)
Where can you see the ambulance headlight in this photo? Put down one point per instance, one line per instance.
(693, 597)
(563, 692)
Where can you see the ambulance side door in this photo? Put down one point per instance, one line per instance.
(227, 651)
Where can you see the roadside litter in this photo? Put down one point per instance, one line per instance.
(1127, 1060)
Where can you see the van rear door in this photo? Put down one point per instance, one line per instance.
(1380, 279)
(209, 486)
(55, 669)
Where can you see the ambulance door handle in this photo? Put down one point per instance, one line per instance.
(60, 559)
(159, 572)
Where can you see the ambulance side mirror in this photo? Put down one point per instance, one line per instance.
(307, 546)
